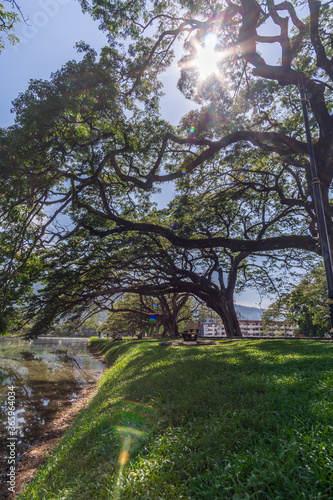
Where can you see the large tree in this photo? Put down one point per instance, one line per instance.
(93, 146)
(305, 305)
(85, 272)
(132, 313)
(251, 102)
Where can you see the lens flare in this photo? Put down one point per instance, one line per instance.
(210, 41)
(124, 454)
(130, 437)
(207, 57)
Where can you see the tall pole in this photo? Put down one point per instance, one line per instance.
(319, 206)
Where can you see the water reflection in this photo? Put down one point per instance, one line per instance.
(47, 374)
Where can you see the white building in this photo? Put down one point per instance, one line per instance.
(249, 328)
(285, 328)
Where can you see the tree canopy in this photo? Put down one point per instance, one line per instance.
(305, 305)
(89, 147)
(135, 313)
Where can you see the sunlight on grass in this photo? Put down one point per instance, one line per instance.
(128, 434)
(238, 420)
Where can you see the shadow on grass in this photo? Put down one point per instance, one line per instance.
(236, 420)
(278, 377)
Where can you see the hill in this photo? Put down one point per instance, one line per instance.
(247, 312)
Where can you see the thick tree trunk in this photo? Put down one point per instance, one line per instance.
(171, 327)
(231, 325)
(170, 310)
(225, 308)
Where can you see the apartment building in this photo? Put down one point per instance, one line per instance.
(249, 328)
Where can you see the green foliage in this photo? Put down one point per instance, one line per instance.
(8, 18)
(204, 313)
(306, 305)
(131, 313)
(20, 268)
(89, 147)
(76, 327)
(228, 421)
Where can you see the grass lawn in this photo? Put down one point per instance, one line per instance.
(239, 420)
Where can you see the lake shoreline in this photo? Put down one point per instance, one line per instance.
(230, 420)
(37, 454)
(33, 458)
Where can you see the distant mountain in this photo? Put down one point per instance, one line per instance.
(249, 312)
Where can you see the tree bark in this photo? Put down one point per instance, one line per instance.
(171, 327)
(225, 308)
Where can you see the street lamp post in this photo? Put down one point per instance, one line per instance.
(319, 206)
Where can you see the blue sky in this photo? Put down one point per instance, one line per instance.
(47, 41)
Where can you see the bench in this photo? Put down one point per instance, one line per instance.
(192, 332)
(187, 336)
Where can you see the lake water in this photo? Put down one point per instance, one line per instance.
(46, 374)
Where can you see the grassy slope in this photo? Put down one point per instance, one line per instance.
(239, 420)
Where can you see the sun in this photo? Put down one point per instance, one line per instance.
(207, 57)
